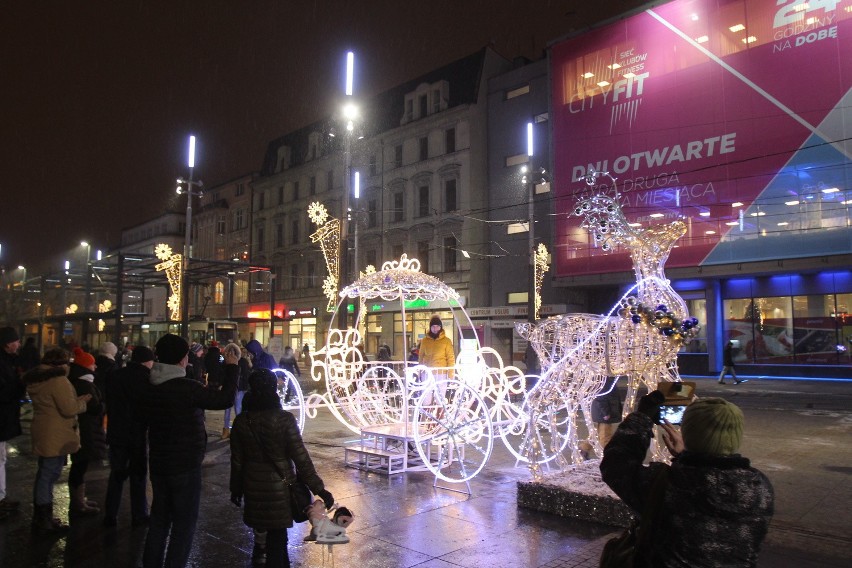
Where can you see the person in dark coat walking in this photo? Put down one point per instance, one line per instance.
(105, 363)
(606, 410)
(728, 362)
(127, 437)
(195, 367)
(213, 366)
(173, 406)
(11, 393)
(715, 508)
(289, 363)
(92, 435)
(266, 444)
(29, 355)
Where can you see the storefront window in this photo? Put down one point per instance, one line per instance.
(240, 291)
(374, 333)
(417, 325)
(738, 327)
(815, 333)
(803, 330)
(844, 327)
(303, 331)
(773, 330)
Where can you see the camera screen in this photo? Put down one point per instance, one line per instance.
(672, 414)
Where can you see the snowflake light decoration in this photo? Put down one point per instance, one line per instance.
(318, 213)
(163, 251)
(173, 266)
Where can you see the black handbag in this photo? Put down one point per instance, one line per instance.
(621, 551)
(301, 497)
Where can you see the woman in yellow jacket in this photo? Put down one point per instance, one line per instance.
(436, 350)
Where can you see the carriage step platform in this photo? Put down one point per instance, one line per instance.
(389, 449)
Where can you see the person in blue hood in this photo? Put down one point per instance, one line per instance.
(260, 358)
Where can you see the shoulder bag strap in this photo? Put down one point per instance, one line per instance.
(284, 477)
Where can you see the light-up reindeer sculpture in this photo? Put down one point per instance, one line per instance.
(639, 338)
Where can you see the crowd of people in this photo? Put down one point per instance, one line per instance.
(148, 417)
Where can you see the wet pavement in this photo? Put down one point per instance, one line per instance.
(797, 432)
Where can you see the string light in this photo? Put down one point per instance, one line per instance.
(173, 266)
(542, 263)
(328, 236)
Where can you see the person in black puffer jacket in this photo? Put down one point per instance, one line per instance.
(127, 436)
(213, 366)
(266, 443)
(93, 445)
(173, 406)
(716, 508)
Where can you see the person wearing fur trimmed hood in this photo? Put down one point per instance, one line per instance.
(93, 444)
(709, 507)
(54, 430)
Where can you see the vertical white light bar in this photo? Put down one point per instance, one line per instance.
(357, 185)
(99, 254)
(529, 139)
(742, 220)
(67, 265)
(191, 161)
(350, 72)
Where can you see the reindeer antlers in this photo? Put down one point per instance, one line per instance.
(605, 219)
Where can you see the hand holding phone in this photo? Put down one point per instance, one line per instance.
(672, 438)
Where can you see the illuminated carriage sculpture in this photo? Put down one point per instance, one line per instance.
(639, 338)
(445, 420)
(409, 416)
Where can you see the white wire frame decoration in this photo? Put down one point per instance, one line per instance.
(456, 411)
(639, 338)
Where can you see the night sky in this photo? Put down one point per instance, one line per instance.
(99, 98)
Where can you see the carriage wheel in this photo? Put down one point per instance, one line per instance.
(452, 430)
(544, 436)
(379, 396)
(290, 393)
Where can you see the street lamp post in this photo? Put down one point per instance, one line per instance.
(350, 113)
(530, 182)
(186, 186)
(23, 270)
(356, 191)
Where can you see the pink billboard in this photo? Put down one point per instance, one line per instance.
(734, 116)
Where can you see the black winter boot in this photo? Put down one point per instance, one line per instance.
(44, 522)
